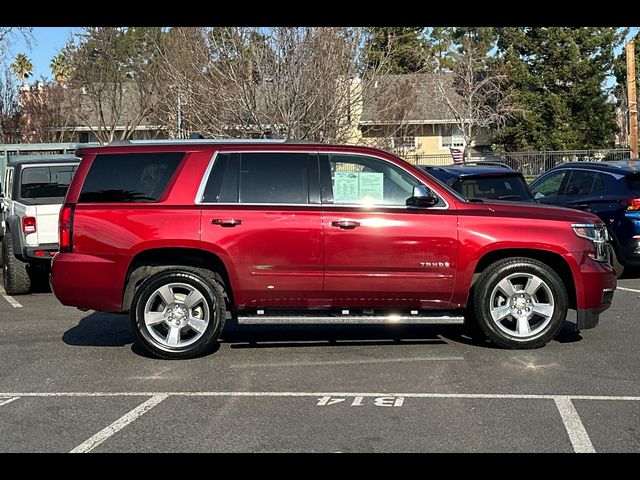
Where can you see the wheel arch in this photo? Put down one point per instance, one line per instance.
(552, 259)
(152, 261)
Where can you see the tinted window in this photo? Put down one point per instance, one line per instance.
(549, 185)
(510, 187)
(365, 180)
(222, 185)
(274, 178)
(584, 183)
(129, 177)
(46, 182)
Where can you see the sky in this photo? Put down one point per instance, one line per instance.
(48, 41)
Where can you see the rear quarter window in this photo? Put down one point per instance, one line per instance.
(48, 181)
(129, 177)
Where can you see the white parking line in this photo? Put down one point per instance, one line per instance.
(575, 429)
(344, 362)
(118, 425)
(628, 289)
(5, 401)
(572, 423)
(515, 396)
(9, 298)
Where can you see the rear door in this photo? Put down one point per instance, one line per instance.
(261, 212)
(378, 252)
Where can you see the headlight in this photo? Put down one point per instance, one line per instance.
(597, 235)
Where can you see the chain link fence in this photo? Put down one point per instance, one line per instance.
(530, 163)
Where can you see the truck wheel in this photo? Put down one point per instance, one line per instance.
(178, 313)
(520, 303)
(15, 276)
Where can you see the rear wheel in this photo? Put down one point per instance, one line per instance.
(520, 303)
(15, 275)
(178, 313)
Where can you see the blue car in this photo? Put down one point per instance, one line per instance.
(610, 190)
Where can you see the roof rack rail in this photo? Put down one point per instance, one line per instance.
(483, 162)
(201, 140)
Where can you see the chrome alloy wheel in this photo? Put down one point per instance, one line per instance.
(522, 305)
(176, 315)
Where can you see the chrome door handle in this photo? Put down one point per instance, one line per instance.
(226, 222)
(345, 224)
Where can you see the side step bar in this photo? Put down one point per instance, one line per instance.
(345, 320)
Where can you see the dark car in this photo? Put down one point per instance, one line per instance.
(483, 180)
(610, 190)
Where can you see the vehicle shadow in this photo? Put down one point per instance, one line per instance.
(292, 336)
(100, 330)
(567, 334)
(630, 272)
(113, 330)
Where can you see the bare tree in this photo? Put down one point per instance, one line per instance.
(8, 106)
(303, 83)
(113, 84)
(46, 115)
(475, 93)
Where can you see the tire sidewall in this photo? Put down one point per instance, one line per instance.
(483, 299)
(211, 295)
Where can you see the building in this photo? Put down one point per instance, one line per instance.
(404, 114)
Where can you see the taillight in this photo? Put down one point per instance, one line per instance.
(65, 228)
(29, 225)
(633, 204)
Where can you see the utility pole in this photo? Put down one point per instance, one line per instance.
(632, 99)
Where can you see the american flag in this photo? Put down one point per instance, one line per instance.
(457, 154)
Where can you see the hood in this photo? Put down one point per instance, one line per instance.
(537, 211)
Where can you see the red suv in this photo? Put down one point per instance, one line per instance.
(178, 233)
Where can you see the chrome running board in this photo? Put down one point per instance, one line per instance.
(349, 319)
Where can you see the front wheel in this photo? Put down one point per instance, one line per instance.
(178, 313)
(520, 303)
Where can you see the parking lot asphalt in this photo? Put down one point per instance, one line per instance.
(76, 381)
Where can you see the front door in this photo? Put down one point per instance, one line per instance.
(379, 252)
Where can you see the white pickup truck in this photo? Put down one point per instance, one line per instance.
(32, 195)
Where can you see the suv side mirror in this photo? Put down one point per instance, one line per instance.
(422, 197)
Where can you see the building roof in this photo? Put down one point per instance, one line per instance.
(408, 98)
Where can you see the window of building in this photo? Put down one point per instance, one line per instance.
(403, 143)
(451, 136)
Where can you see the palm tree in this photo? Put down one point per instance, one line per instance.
(22, 67)
(60, 68)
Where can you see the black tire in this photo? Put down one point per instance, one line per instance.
(503, 333)
(15, 275)
(613, 260)
(213, 293)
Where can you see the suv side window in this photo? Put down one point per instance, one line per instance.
(584, 183)
(362, 180)
(260, 177)
(129, 177)
(550, 186)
